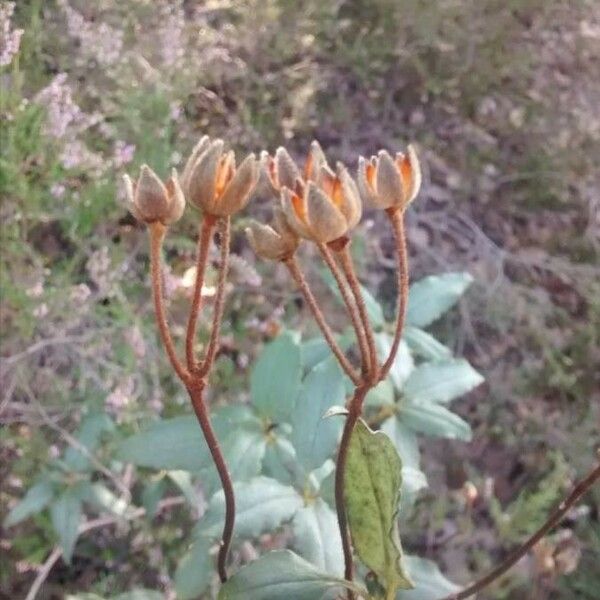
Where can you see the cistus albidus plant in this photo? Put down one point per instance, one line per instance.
(312, 204)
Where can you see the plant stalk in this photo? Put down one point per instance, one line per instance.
(397, 219)
(204, 239)
(196, 392)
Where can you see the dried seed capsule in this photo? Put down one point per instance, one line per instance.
(388, 182)
(214, 184)
(278, 242)
(150, 200)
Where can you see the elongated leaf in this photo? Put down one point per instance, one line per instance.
(280, 462)
(282, 574)
(432, 296)
(262, 504)
(317, 537)
(178, 444)
(140, 594)
(183, 480)
(313, 437)
(36, 499)
(169, 444)
(195, 570)
(153, 492)
(436, 420)
(65, 513)
(430, 584)
(275, 379)
(372, 489)
(381, 395)
(425, 345)
(89, 435)
(441, 381)
(374, 310)
(316, 350)
(103, 498)
(403, 364)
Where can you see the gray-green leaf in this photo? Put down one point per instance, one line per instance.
(65, 513)
(425, 345)
(403, 364)
(36, 499)
(430, 584)
(89, 435)
(372, 489)
(195, 570)
(317, 537)
(262, 504)
(436, 420)
(432, 296)
(282, 574)
(275, 379)
(441, 381)
(313, 437)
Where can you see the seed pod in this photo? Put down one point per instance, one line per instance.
(388, 182)
(212, 182)
(151, 201)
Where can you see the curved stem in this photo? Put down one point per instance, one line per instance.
(296, 273)
(397, 219)
(212, 348)
(553, 520)
(206, 231)
(352, 309)
(348, 269)
(157, 235)
(196, 391)
(354, 411)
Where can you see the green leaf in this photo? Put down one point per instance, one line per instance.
(177, 444)
(280, 462)
(405, 441)
(413, 479)
(316, 350)
(372, 488)
(140, 594)
(403, 364)
(36, 499)
(183, 480)
(436, 420)
(275, 379)
(381, 395)
(441, 381)
(374, 310)
(262, 504)
(432, 296)
(195, 570)
(423, 344)
(430, 584)
(282, 574)
(313, 437)
(89, 435)
(102, 497)
(65, 513)
(168, 444)
(317, 537)
(152, 494)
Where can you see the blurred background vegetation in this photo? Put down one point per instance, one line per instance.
(501, 99)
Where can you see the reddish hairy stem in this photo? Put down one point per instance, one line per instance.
(212, 348)
(196, 391)
(157, 235)
(583, 486)
(292, 265)
(397, 219)
(348, 269)
(352, 310)
(206, 231)
(354, 411)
